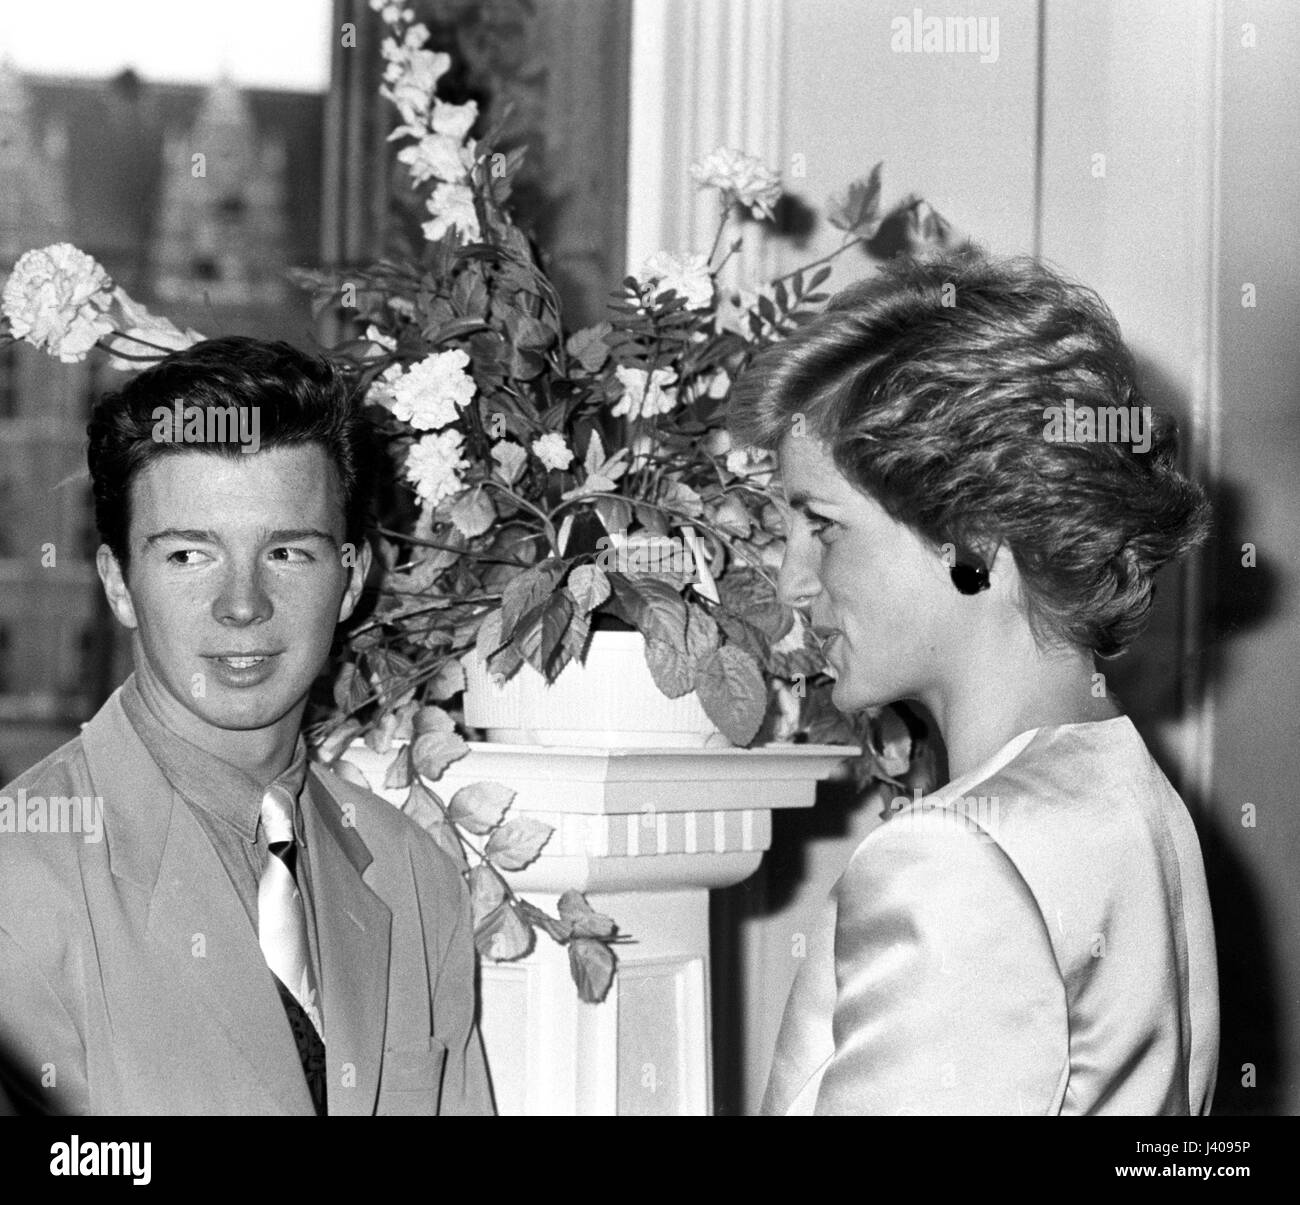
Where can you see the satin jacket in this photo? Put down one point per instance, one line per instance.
(131, 980)
(1035, 938)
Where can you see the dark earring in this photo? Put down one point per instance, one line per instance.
(970, 577)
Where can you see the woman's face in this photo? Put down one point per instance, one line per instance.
(880, 597)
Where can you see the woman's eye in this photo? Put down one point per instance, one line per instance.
(823, 528)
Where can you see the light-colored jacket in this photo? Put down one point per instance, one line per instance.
(1035, 938)
(132, 982)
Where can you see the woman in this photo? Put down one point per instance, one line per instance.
(971, 523)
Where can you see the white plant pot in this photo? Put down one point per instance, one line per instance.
(609, 701)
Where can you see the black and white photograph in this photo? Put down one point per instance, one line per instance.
(651, 558)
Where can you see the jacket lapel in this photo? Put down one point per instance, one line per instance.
(196, 921)
(354, 932)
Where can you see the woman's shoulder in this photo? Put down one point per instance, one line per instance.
(1077, 803)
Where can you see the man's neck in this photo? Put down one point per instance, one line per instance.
(262, 753)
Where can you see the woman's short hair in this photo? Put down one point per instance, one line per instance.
(296, 398)
(982, 400)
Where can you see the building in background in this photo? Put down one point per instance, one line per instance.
(195, 200)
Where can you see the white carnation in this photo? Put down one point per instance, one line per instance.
(741, 178)
(552, 451)
(455, 121)
(686, 275)
(434, 465)
(436, 156)
(56, 299)
(430, 394)
(645, 394)
(452, 206)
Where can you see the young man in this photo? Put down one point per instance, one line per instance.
(232, 930)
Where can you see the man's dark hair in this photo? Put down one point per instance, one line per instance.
(297, 398)
(928, 384)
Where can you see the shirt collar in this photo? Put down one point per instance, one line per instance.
(221, 789)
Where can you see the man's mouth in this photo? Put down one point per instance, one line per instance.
(241, 660)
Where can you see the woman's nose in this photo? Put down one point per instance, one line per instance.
(797, 582)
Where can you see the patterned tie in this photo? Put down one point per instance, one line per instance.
(281, 919)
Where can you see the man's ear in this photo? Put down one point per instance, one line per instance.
(356, 560)
(115, 587)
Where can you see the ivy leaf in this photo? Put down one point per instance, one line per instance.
(448, 681)
(473, 513)
(591, 963)
(732, 692)
(487, 892)
(588, 586)
(585, 921)
(398, 774)
(575, 640)
(480, 806)
(614, 513)
(424, 807)
(433, 752)
(525, 591)
(588, 346)
(542, 632)
(432, 719)
(503, 934)
(671, 668)
(559, 930)
(518, 842)
(859, 206)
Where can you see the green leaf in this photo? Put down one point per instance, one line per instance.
(433, 752)
(588, 346)
(473, 512)
(503, 935)
(541, 631)
(424, 807)
(586, 922)
(432, 719)
(398, 774)
(589, 587)
(487, 891)
(559, 930)
(671, 667)
(591, 963)
(525, 591)
(448, 681)
(480, 806)
(518, 842)
(860, 204)
(733, 693)
(614, 513)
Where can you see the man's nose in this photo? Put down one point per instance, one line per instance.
(797, 583)
(243, 598)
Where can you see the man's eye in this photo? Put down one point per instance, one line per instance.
(178, 557)
(292, 556)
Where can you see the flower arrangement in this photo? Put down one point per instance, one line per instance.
(537, 474)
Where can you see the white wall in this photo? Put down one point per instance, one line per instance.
(1196, 194)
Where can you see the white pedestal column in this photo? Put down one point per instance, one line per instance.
(644, 834)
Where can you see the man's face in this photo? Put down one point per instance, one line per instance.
(237, 582)
(877, 594)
